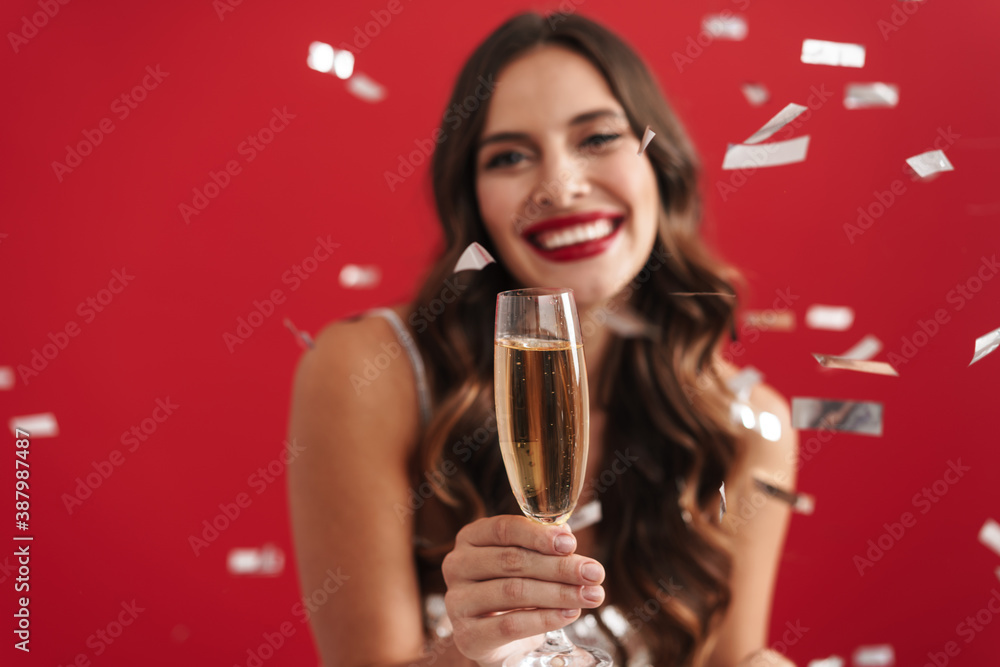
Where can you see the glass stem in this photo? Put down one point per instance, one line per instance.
(556, 642)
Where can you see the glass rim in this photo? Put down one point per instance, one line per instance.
(536, 291)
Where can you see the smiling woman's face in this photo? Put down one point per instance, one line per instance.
(562, 191)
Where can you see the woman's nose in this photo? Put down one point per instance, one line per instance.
(561, 181)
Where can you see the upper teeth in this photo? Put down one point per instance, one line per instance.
(588, 231)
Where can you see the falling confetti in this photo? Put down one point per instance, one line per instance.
(6, 378)
(985, 345)
(820, 52)
(266, 561)
(865, 349)
(831, 318)
(42, 425)
(743, 382)
(861, 417)
(770, 320)
(585, 516)
(989, 535)
(304, 340)
(647, 136)
(353, 276)
(832, 661)
(881, 655)
(875, 367)
(725, 26)
(363, 87)
(756, 93)
(780, 119)
(800, 502)
(473, 258)
(871, 95)
(929, 163)
(702, 294)
(774, 154)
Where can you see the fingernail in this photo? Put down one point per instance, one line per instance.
(592, 572)
(593, 593)
(565, 544)
(570, 613)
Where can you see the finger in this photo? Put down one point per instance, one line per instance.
(516, 625)
(520, 531)
(501, 595)
(486, 563)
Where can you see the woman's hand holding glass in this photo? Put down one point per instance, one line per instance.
(510, 580)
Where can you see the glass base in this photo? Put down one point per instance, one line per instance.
(577, 656)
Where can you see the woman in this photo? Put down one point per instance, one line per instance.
(401, 485)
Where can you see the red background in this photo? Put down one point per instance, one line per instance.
(323, 175)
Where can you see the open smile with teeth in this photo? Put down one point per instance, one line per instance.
(567, 236)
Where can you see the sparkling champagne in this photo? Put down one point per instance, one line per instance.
(543, 419)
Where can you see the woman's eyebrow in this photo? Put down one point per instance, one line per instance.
(579, 119)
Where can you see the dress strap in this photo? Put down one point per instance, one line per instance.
(410, 345)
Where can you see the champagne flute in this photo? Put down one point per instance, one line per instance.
(543, 420)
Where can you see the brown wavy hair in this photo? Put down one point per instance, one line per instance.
(684, 440)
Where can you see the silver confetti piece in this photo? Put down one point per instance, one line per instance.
(304, 340)
(821, 52)
(353, 276)
(756, 93)
(875, 367)
(743, 382)
(725, 26)
(774, 154)
(780, 119)
(989, 535)
(861, 417)
(929, 163)
(881, 655)
(473, 258)
(985, 345)
(365, 88)
(865, 349)
(647, 136)
(800, 502)
(871, 95)
(831, 318)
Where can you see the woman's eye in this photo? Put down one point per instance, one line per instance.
(505, 159)
(598, 141)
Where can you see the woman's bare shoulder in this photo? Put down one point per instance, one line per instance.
(358, 370)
